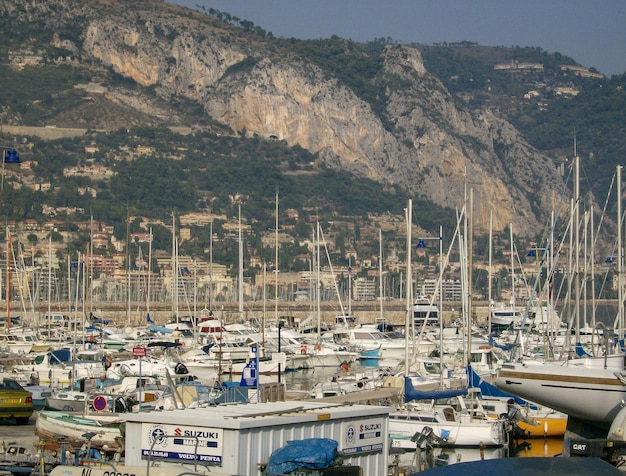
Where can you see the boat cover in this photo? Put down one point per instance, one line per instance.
(310, 453)
(97, 320)
(489, 390)
(410, 393)
(527, 467)
(493, 342)
(59, 356)
(580, 352)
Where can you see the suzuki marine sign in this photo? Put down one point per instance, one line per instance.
(182, 443)
(362, 436)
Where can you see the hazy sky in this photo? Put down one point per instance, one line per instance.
(592, 32)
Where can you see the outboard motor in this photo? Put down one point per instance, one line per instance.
(121, 406)
(181, 369)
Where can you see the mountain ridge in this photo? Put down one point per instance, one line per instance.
(421, 138)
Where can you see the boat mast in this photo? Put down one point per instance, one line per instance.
(592, 259)
(9, 253)
(264, 308)
(512, 251)
(195, 302)
(440, 313)
(409, 286)
(128, 291)
(49, 283)
(464, 299)
(174, 269)
(276, 270)
(489, 293)
(318, 283)
(211, 269)
(620, 277)
(90, 264)
(349, 285)
(380, 275)
(577, 241)
(469, 247)
(73, 317)
(466, 271)
(241, 270)
(149, 272)
(84, 294)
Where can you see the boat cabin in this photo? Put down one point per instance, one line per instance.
(424, 313)
(345, 320)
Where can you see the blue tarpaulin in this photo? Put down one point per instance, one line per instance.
(310, 453)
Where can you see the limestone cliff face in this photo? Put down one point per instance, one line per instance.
(296, 104)
(424, 140)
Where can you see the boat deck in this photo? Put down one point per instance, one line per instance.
(365, 396)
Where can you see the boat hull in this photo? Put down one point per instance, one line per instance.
(49, 425)
(591, 394)
(474, 434)
(545, 427)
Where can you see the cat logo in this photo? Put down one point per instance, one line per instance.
(578, 448)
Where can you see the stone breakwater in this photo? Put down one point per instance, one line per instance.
(394, 311)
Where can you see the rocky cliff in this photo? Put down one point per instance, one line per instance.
(423, 140)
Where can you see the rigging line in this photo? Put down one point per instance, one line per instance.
(545, 239)
(445, 263)
(332, 272)
(597, 233)
(19, 271)
(606, 202)
(533, 295)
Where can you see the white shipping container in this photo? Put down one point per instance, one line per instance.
(237, 439)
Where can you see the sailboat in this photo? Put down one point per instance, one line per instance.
(590, 390)
(444, 414)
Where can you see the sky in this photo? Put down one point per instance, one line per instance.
(592, 32)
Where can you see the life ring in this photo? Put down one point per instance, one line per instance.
(318, 348)
(303, 349)
(182, 343)
(344, 367)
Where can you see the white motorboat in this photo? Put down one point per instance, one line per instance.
(57, 368)
(505, 317)
(10, 344)
(304, 351)
(425, 313)
(67, 400)
(369, 338)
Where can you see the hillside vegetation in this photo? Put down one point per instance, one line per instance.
(215, 167)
